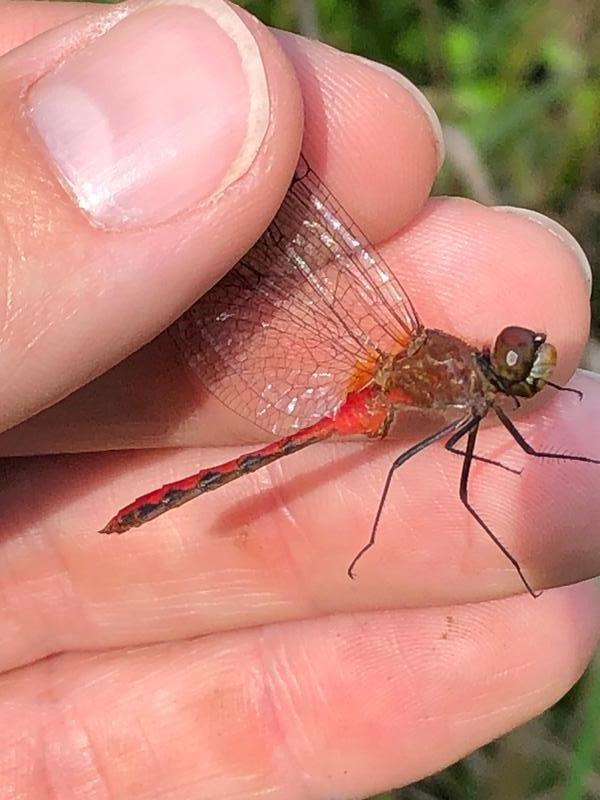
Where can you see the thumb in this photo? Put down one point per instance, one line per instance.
(143, 149)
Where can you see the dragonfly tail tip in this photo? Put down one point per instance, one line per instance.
(112, 527)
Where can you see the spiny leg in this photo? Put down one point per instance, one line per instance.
(456, 437)
(524, 444)
(558, 388)
(457, 451)
(472, 428)
(412, 451)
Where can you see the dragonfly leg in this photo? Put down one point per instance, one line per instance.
(412, 451)
(524, 444)
(558, 388)
(457, 451)
(470, 429)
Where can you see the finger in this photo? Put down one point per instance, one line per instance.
(370, 135)
(276, 544)
(163, 225)
(21, 21)
(341, 707)
(351, 103)
(470, 270)
(114, 206)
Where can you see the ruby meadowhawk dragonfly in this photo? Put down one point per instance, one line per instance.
(311, 336)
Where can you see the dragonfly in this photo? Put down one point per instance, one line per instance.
(311, 336)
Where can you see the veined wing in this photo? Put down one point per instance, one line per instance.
(302, 319)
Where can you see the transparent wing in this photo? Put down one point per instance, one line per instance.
(302, 319)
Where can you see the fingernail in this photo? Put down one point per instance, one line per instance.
(164, 110)
(436, 127)
(562, 234)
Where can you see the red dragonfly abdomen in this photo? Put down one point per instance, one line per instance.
(365, 412)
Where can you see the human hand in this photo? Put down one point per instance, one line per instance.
(158, 663)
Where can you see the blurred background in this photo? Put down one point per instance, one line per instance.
(516, 85)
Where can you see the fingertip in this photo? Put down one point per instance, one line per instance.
(371, 137)
(565, 238)
(421, 99)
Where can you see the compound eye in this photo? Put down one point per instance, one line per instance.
(514, 353)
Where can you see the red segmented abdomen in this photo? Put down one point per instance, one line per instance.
(363, 412)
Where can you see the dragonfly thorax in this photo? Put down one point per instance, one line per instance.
(443, 373)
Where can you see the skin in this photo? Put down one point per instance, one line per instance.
(225, 639)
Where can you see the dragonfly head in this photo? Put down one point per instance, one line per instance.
(522, 361)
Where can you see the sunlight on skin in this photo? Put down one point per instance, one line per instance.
(298, 656)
